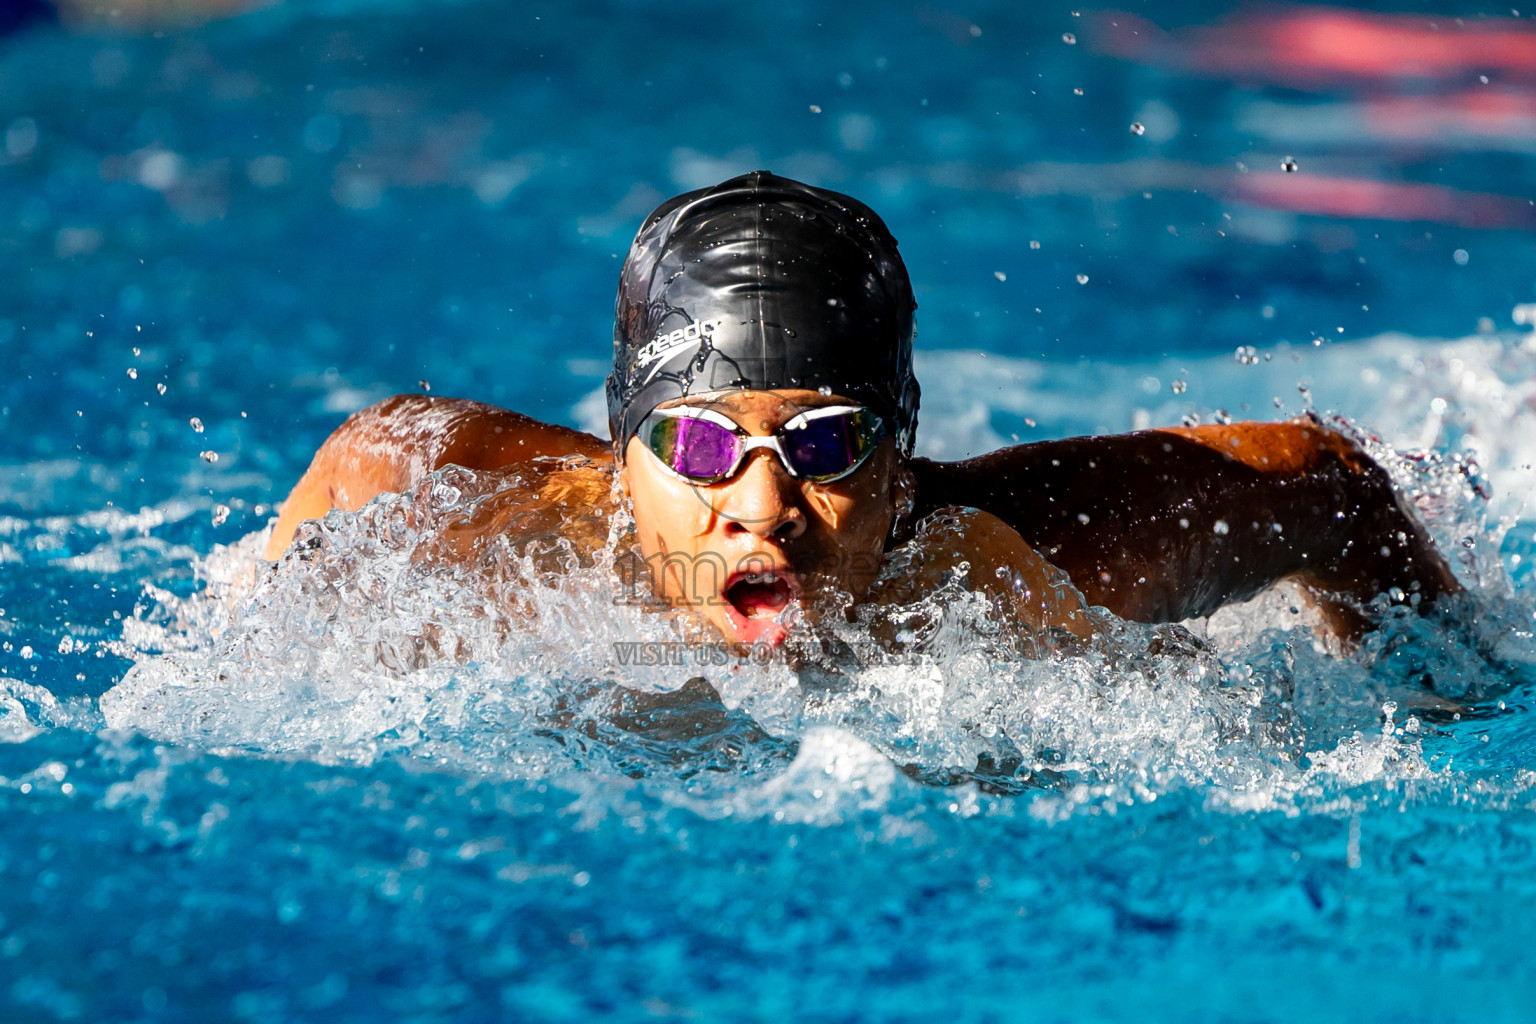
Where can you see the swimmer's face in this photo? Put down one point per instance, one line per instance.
(736, 553)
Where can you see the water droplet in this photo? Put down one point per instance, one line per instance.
(1137, 128)
(220, 514)
(196, 424)
(1178, 386)
(1077, 92)
(135, 350)
(1222, 416)
(160, 387)
(815, 109)
(824, 390)
(1035, 244)
(1028, 422)
(1462, 257)
(210, 456)
(1190, 419)
(1069, 38)
(133, 373)
(1246, 355)
(1082, 278)
(1289, 165)
(1220, 528)
(999, 275)
(425, 385)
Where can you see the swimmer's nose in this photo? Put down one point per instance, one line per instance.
(762, 501)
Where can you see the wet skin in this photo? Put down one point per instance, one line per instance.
(392, 444)
(1155, 526)
(1163, 525)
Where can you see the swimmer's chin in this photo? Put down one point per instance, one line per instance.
(768, 632)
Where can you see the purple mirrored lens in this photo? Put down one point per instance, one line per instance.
(829, 446)
(700, 449)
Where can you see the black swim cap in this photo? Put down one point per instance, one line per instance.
(762, 282)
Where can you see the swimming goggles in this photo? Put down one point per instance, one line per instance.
(705, 447)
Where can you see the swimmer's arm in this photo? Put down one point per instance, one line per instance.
(392, 444)
(1162, 525)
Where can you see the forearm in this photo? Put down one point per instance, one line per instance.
(1163, 525)
(392, 444)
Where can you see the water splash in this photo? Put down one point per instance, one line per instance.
(365, 643)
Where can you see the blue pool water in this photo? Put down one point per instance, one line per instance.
(235, 794)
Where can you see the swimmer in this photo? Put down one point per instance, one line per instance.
(763, 412)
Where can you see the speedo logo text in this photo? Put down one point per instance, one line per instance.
(664, 345)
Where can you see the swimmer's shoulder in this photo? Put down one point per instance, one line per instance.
(439, 431)
(391, 445)
(990, 556)
(534, 505)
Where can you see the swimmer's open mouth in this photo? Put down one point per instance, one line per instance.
(760, 595)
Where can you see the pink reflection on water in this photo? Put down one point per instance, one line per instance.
(1334, 196)
(1327, 46)
(1486, 66)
